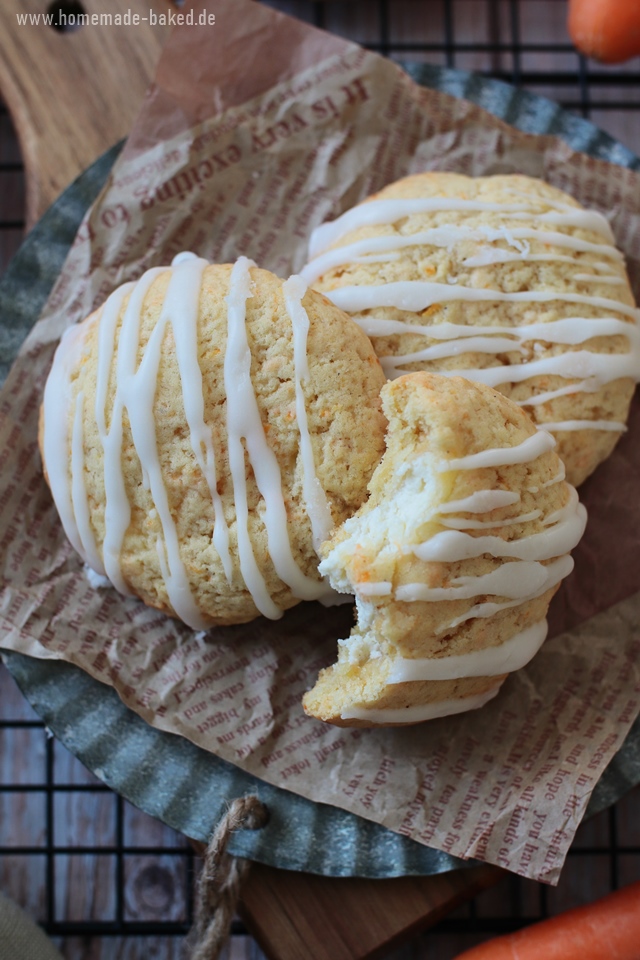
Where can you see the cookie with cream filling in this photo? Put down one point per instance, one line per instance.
(453, 559)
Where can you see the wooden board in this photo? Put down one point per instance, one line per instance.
(349, 918)
(72, 95)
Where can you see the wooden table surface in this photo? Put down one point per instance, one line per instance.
(95, 81)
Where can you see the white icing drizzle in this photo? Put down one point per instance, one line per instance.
(97, 580)
(596, 278)
(460, 523)
(377, 212)
(604, 267)
(511, 655)
(79, 498)
(384, 211)
(602, 367)
(489, 255)
(418, 295)
(162, 560)
(554, 238)
(452, 348)
(518, 580)
(239, 391)
(117, 508)
(529, 449)
(556, 571)
(244, 423)
(315, 498)
(582, 219)
(583, 386)
(612, 425)
(571, 330)
(482, 501)
(558, 478)
(180, 308)
(381, 258)
(379, 588)
(420, 712)
(58, 404)
(449, 546)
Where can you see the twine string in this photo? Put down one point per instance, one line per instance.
(221, 878)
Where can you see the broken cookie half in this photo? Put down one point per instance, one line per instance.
(453, 559)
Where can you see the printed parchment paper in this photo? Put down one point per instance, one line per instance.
(253, 134)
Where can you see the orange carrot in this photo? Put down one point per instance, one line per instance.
(608, 929)
(607, 30)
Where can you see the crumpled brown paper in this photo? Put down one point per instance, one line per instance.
(257, 130)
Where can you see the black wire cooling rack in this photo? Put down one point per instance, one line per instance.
(44, 799)
(136, 876)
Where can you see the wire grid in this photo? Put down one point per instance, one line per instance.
(134, 874)
(77, 857)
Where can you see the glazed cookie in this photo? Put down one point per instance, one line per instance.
(453, 559)
(504, 277)
(204, 431)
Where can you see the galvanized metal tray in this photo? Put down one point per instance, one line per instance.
(165, 775)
